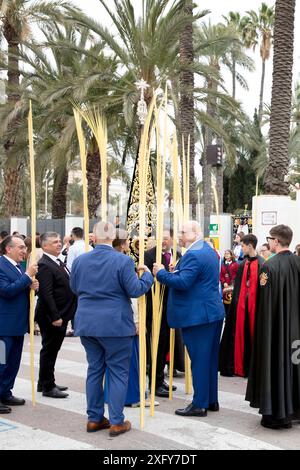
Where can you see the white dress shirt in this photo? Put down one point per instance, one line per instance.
(75, 250)
(54, 258)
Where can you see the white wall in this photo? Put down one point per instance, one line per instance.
(18, 224)
(286, 210)
(225, 230)
(72, 222)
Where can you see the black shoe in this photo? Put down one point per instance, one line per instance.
(166, 386)
(4, 410)
(214, 406)
(13, 401)
(162, 392)
(62, 389)
(55, 393)
(191, 410)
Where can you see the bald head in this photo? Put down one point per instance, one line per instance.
(104, 232)
(190, 233)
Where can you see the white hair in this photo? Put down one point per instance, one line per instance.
(105, 231)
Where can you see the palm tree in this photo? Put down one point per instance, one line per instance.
(79, 71)
(186, 107)
(278, 166)
(237, 54)
(148, 48)
(258, 28)
(215, 44)
(16, 18)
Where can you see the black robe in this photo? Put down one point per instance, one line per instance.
(274, 379)
(226, 357)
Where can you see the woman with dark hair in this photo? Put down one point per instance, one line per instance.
(228, 274)
(237, 248)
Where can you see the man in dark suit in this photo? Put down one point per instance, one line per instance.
(161, 388)
(15, 285)
(56, 306)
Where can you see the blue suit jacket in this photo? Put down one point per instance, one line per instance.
(194, 297)
(104, 281)
(14, 300)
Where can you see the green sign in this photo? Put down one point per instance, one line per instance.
(214, 229)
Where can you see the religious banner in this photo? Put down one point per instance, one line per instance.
(133, 211)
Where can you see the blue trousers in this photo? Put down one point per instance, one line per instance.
(113, 354)
(133, 389)
(203, 343)
(9, 370)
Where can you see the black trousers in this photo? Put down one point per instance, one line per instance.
(52, 339)
(163, 349)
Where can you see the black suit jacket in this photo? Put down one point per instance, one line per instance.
(55, 299)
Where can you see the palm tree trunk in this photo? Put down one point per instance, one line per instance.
(59, 198)
(187, 123)
(261, 94)
(94, 182)
(12, 177)
(12, 194)
(278, 166)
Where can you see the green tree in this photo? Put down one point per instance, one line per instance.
(257, 28)
(215, 43)
(16, 19)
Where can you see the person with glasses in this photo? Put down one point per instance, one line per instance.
(15, 285)
(195, 305)
(265, 251)
(237, 339)
(274, 379)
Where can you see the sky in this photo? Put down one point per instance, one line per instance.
(218, 8)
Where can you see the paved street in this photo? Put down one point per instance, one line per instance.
(60, 424)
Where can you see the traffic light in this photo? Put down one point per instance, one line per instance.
(214, 155)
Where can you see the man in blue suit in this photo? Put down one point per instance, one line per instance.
(194, 304)
(15, 285)
(104, 281)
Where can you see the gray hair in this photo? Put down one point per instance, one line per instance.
(45, 237)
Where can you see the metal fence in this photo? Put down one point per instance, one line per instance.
(5, 225)
(48, 225)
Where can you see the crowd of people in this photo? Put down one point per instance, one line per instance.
(238, 314)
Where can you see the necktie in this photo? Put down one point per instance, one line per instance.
(63, 267)
(18, 266)
(167, 259)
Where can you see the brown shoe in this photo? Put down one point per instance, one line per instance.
(117, 429)
(93, 427)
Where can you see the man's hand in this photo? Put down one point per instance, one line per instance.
(172, 267)
(57, 323)
(32, 270)
(157, 267)
(35, 285)
(143, 268)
